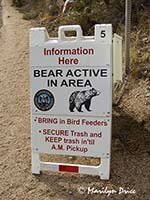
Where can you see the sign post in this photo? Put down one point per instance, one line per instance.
(71, 98)
(127, 35)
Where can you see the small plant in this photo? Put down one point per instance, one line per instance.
(30, 15)
(18, 3)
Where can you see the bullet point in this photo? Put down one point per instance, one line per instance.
(35, 119)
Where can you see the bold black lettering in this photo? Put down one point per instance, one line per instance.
(51, 73)
(69, 73)
(43, 73)
(52, 83)
(80, 83)
(96, 72)
(104, 73)
(36, 73)
(64, 83)
(85, 72)
(87, 83)
(72, 82)
(77, 72)
(59, 73)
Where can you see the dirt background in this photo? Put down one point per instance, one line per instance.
(130, 161)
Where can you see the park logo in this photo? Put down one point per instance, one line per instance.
(44, 100)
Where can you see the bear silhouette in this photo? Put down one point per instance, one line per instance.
(79, 98)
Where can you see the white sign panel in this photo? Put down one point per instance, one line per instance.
(71, 86)
(80, 136)
(83, 91)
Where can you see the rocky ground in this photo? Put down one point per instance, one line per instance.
(130, 139)
(0, 14)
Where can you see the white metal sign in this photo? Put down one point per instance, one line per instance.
(71, 86)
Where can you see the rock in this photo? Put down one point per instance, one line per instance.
(148, 95)
(140, 61)
(147, 103)
(145, 39)
(148, 88)
(70, 192)
(72, 158)
(137, 95)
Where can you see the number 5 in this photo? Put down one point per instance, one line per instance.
(103, 33)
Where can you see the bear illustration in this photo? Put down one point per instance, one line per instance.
(79, 98)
